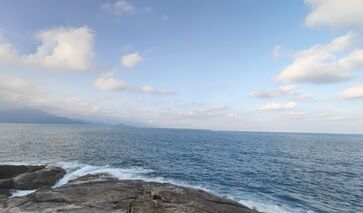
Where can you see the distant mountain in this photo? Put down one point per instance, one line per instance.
(33, 116)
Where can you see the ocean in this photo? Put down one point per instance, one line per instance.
(271, 172)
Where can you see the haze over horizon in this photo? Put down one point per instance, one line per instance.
(237, 65)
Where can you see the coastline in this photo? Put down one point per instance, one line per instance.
(102, 192)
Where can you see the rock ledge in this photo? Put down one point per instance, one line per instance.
(101, 193)
(19, 177)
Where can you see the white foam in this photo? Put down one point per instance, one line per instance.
(269, 207)
(75, 170)
(19, 193)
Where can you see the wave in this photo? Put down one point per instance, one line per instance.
(270, 207)
(19, 193)
(75, 170)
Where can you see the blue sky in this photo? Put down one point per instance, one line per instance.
(227, 65)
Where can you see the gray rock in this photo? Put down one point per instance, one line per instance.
(3, 198)
(5, 192)
(100, 193)
(10, 171)
(26, 178)
(47, 176)
(6, 183)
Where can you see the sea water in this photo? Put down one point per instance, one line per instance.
(271, 172)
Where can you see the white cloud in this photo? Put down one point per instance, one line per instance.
(152, 90)
(60, 48)
(278, 106)
(354, 92)
(302, 96)
(283, 90)
(108, 82)
(7, 53)
(64, 48)
(277, 52)
(322, 115)
(118, 7)
(335, 13)
(131, 60)
(206, 112)
(324, 63)
(12, 83)
(17, 92)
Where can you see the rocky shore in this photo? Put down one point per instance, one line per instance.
(102, 193)
(19, 177)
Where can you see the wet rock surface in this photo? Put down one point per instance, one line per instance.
(16, 177)
(33, 180)
(102, 193)
(10, 171)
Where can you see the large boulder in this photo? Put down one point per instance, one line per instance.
(27, 177)
(47, 176)
(10, 171)
(100, 193)
(6, 183)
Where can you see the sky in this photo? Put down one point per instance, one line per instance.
(252, 65)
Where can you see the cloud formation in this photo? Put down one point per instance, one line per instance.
(334, 13)
(354, 92)
(283, 90)
(119, 7)
(17, 92)
(322, 114)
(131, 60)
(278, 106)
(325, 63)
(60, 48)
(206, 112)
(108, 82)
(151, 90)
(12, 83)
(7, 53)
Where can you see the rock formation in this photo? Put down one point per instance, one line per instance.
(14, 177)
(102, 193)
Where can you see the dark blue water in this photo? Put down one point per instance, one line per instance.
(272, 172)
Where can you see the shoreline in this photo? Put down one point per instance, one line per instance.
(103, 193)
